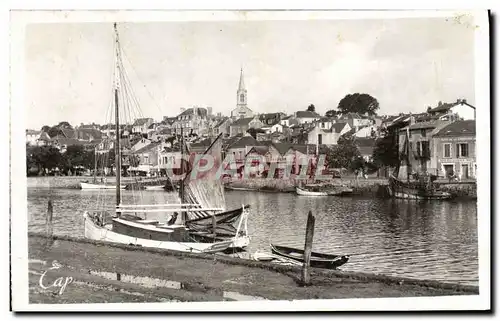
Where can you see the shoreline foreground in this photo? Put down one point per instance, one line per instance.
(100, 272)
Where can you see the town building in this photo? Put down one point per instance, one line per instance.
(242, 125)
(141, 125)
(459, 110)
(419, 145)
(328, 135)
(454, 150)
(192, 121)
(32, 136)
(306, 116)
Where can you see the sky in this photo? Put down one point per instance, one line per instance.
(406, 64)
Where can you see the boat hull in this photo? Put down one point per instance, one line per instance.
(155, 188)
(402, 190)
(99, 233)
(303, 192)
(84, 185)
(318, 260)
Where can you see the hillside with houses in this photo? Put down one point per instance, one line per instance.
(442, 140)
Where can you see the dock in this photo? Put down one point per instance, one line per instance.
(86, 271)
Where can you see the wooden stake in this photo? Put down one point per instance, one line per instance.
(214, 225)
(306, 280)
(49, 227)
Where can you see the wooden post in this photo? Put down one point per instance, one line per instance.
(49, 228)
(214, 225)
(308, 248)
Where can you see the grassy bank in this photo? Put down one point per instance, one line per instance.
(203, 277)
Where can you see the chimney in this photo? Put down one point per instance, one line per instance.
(209, 111)
(183, 109)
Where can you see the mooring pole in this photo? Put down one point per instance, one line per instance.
(48, 226)
(306, 278)
(214, 225)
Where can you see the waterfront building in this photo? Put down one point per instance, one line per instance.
(454, 149)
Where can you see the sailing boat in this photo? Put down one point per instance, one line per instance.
(207, 190)
(421, 189)
(126, 227)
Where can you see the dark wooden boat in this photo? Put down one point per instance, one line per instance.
(319, 260)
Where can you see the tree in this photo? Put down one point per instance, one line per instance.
(363, 104)
(385, 152)
(331, 113)
(43, 158)
(344, 154)
(54, 131)
(254, 131)
(64, 125)
(311, 108)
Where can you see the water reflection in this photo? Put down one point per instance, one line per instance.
(432, 240)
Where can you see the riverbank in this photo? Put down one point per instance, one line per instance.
(107, 272)
(370, 187)
(367, 187)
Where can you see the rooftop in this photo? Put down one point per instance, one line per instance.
(458, 128)
(242, 121)
(307, 114)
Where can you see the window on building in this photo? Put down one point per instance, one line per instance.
(425, 148)
(447, 151)
(242, 98)
(320, 139)
(462, 150)
(423, 132)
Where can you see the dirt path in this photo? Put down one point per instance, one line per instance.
(102, 273)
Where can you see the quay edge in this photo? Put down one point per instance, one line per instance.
(90, 254)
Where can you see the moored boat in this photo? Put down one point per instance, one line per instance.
(178, 232)
(84, 185)
(421, 188)
(305, 192)
(155, 188)
(146, 233)
(319, 260)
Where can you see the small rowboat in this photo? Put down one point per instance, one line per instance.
(84, 185)
(319, 260)
(155, 188)
(304, 192)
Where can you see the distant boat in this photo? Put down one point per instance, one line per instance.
(423, 188)
(323, 191)
(415, 190)
(305, 192)
(319, 260)
(155, 188)
(84, 185)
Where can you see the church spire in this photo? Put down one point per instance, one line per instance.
(241, 93)
(242, 81)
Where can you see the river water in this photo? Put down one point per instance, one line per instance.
(426, 240)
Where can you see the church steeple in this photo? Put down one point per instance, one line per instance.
(241, 94)
(242, 81)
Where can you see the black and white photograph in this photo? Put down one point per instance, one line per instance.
(211, 160)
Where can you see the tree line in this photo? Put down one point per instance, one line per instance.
(48, 160)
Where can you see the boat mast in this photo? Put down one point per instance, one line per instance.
(117, 124)
(408, 165)
(181, 189)
(95, 164)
